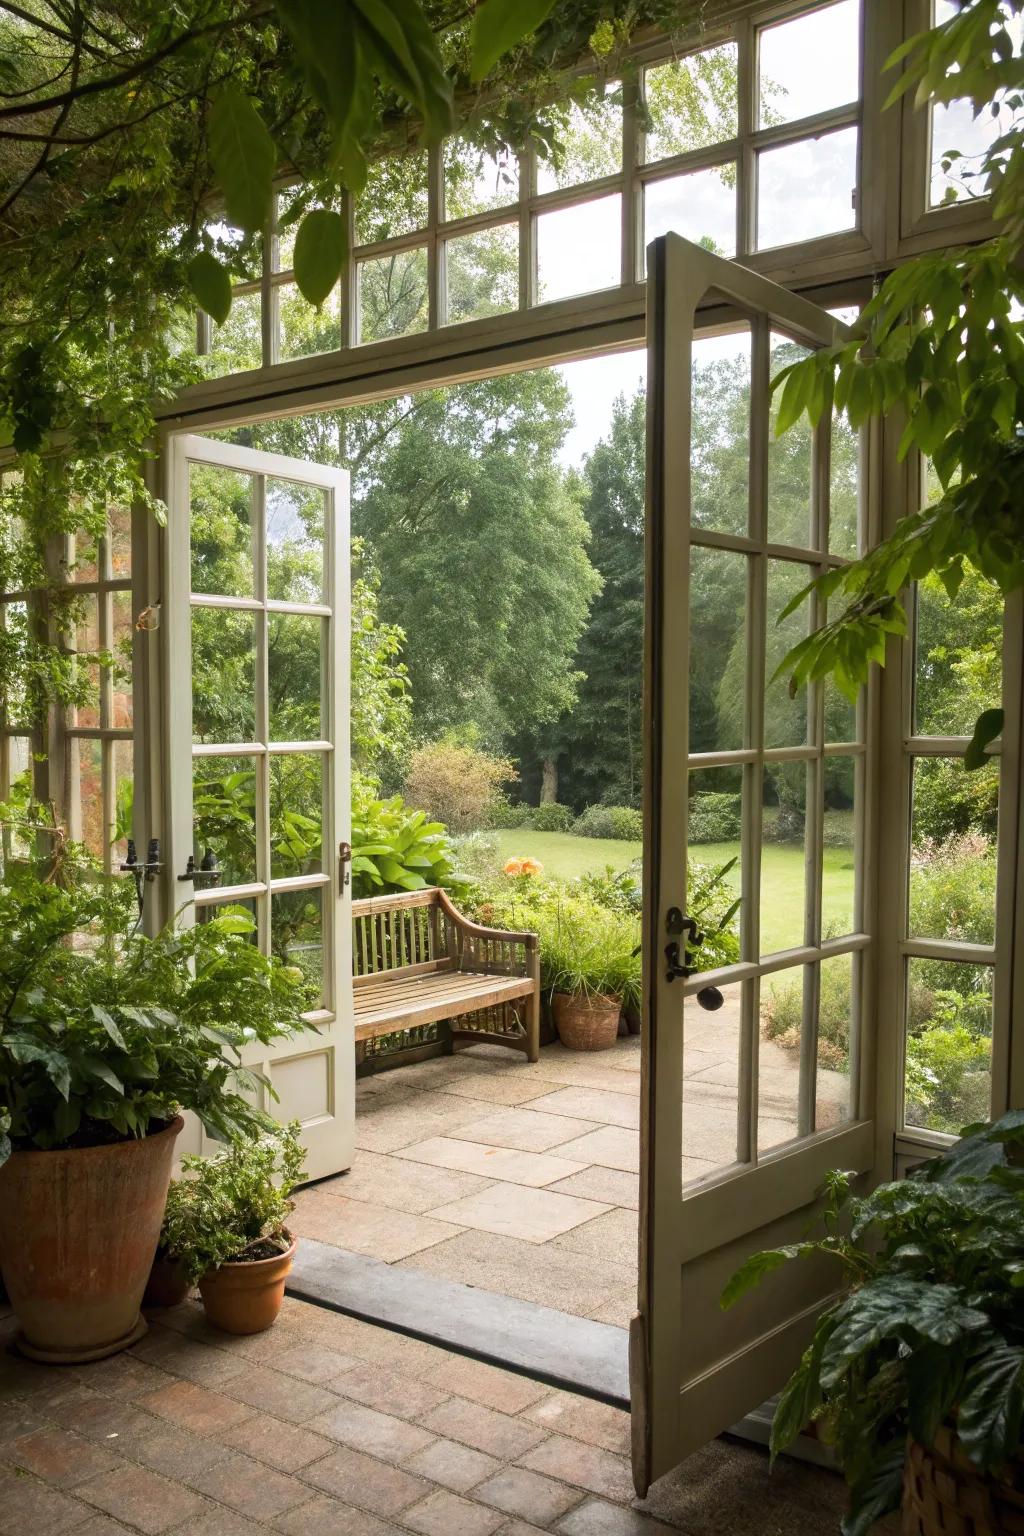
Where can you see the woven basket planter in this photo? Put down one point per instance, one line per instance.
(586, 1023)
(945, 1495)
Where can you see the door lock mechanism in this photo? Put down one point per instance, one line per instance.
(679, 957)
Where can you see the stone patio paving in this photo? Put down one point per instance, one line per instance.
(523, 1179)
(327, 1426)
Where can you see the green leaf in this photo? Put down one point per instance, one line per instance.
(498, 25)
(757, 1266)
(987, 727)
(103, 1017)
(211, 285)
(878, 1491)
(244, 158)
(992, 1405)
(320, 246)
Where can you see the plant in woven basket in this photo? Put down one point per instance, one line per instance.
(925, 1348)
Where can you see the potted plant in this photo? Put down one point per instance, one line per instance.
(916, 1373)
(591, 970)
(105, 1037)
(224, 1227)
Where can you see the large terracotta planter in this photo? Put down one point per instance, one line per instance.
(246, 1297)
(586, 1023)
(78, 1231)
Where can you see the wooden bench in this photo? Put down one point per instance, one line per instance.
(416, 960)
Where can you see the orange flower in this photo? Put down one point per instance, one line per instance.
(532, 867)
(514, 867)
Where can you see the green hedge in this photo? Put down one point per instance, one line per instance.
(623, 822)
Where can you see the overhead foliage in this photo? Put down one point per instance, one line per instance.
(940, 345)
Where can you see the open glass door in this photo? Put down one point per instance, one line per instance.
(746, 1107)
(256, 641)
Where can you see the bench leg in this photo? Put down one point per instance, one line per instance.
(533, 1016)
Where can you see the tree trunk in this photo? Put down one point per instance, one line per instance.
(549, 781)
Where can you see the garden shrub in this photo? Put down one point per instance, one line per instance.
(549, 817)
(622, 822)
(456, 784)
(395, 848)
(952, 895)
(714, 818)
(951, 801)
(948, 1063)
(783, 1013)
(476, 854)
(504, 816)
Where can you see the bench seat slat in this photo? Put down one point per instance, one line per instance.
(429, 997)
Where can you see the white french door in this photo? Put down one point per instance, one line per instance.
(256, 633)
(744, 1108)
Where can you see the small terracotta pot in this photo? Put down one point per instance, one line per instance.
(246, 1297)
(78, 1231)
(587, 1023)
(167, 1285)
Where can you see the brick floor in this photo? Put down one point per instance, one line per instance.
(110, 1448)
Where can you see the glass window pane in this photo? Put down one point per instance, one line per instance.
(591, 137)
(790, 460)
(297, 936)
(805, 190)
(296, 814)
(958, 646)
(482, 273)
(839, 844)
(394, 200)
(295, 648)
(304, 330)
(778, 1068)
(475, 182)
(844, 488)
(223, 675)
(238, 343)
(121, 671)
(393, 295)
(718, 649)
(691, 102)
(86, 809)
(220, 502)
(87, 669)
(953, 855)
(711, 1053)
(783, 864)
(785, 716)
(700, 206)
(713, 863)
(836, 983)
(578, 249)
(949, 1045)
(124, 769)
(295, 541)
(119, 538)
(720, 432)
(959, 143)
(810, 64)
(224, 819)
(840, 714)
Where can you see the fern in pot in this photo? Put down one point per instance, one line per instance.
(916, 1374)
(591, 969)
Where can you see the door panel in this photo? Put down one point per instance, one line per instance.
(257, 681)
(738, 1130)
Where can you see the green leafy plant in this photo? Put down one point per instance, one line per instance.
(714, 818)
(233, 1206)
(930, 1328)
(623, 822)
(551, 817)
(588, 950)
(394, 848)
(106, 1034)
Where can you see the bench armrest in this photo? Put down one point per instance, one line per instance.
(481, 939)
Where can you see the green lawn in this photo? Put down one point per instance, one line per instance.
(782, 875)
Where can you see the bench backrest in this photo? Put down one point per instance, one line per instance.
(411, 928)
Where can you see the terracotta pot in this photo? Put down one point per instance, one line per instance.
(167, 1285)
(246, 1297)
(78, 1231)
(587, 1023)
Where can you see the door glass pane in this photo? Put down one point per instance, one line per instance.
(295, 648)
(86, 642)
(89, 829)
(711, 1057)
(221, 502)
(295, 541)
(833, 1096)
(790, 461)
(785, 717)
(691, 102)
(297, 936)
(839, 847)
(718, 649)
(121, 671)
(700, 206)
(959, 650)
(482, 273)
(949, 1044)
(713, 862)
(393, 295)
(124, 768)
(778, 1067)
(783, 868)
(296, 814)
(224, 819)
(720, 433)
(394, 201)
(844, 488)
(953, 853)
(223, 675)
(578, 249)
(303, 329)
(591, 138)
(810, 64)
(475, 181)
(806, 189)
